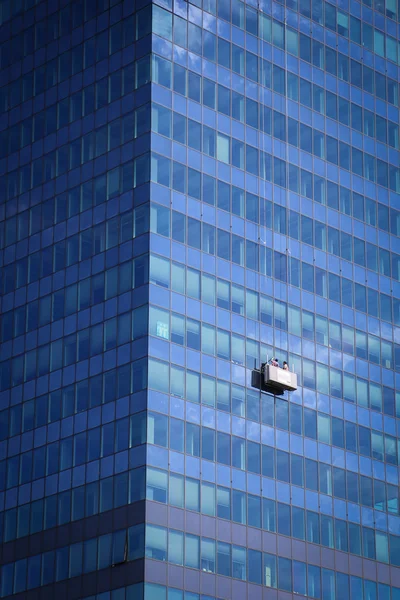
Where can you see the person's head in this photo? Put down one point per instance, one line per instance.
(284, 362)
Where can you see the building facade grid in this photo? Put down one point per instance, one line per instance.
(188, 190)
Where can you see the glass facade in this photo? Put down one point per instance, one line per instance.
(188, 189)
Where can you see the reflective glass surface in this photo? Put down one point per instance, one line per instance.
(188, 191)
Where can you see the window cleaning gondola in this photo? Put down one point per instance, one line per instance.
(274, 379)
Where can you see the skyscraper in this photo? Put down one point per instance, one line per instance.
(187, 191)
